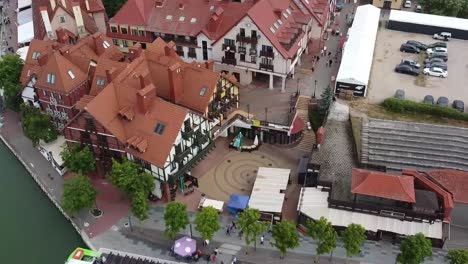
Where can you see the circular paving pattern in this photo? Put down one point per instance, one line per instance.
(236, 174)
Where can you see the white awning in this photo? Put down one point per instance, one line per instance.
(428, 19)
(55, 148)
(313, 203)
(28, 93)
(269, 189)
(218, 205)
(357, 56)
(25, 32)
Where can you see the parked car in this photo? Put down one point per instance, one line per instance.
(437, 72)
(406, 69)
(443, 57)
(411, 63)
(437, 44)
(437, 50)
(428, 99)
(443, 36)
(400, 94)
(433, 60)
(407, 4)
(441, 65)
(417, 44)
(442, 101)
(409, 48)
(459, 105)
(418, 9)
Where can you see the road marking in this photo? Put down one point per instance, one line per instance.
(32, 165)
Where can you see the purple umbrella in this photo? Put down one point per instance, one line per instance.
(185, 246)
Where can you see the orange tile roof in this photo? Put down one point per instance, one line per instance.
(379, 184)
(454, 181)
(31, 66)
(103, 66)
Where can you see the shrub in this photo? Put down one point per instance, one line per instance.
(406, 106)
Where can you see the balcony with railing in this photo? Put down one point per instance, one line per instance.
(265, 66)
(268, 54)
(228, 47)
(192, 54)
(242, 50)
(182, 155)
(244, 39)
(231, 61)
(187, 133)
(181, 40)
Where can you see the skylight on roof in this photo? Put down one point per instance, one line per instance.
(159, 129)
(276, 25)
(101, 81)
(279, 21)
(193, 20)
(105, 44)
(169, 17)
(71, 74)
(212, 8)
(203, 91)
(272, 29)
(51, 78)
(181, 19)
(36, 55)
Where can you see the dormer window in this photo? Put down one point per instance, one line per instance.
(71, 74)
(36, 55)
(159, 129)
(193, 20)
(181, 19)
(62, 19)
(51, 78)
(169, 17)
(100, 81)
(105, 44)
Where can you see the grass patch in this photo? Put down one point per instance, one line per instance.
(356, 126)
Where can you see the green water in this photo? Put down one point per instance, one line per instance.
(32, 229)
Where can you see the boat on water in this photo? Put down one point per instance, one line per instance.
(84, 256)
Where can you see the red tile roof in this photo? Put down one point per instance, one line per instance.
(297, 125)
(31, 66)
(454, 181)
(135, 13)
(379, 184)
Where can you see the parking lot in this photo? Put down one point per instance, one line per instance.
(384, 81)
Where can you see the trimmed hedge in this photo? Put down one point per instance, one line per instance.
(406, 106)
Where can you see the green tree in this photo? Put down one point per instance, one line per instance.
(37, 126)
(249, 224)
(207, 222)
(353, 238)
(128, 177)
(78, 159)
(323, 233)
(326, 99)
(414, 249)
(454, 8)
(286, 237)
(458, 256)
(176, 218)
(11, 66)
(78, 193)
(113, 6)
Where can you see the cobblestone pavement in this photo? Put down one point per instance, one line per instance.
(9, 32)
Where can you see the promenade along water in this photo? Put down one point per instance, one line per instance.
(32, 229)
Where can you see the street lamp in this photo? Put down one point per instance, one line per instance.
(297, 87)
(266, 114)
(248, 111)
(315, 89)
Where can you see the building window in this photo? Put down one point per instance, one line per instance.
(203, 91)
(141, 32)
(101, 82)
(253, 59)
(159, 129)
(134, 31)
(116, 42)
(192, 53)
(36, 55)
(124, 30)
(169, 17)
(193, 20)
(105, 44)
(51, 78)
(143, 45)
(125, 43)
(229, 42)
(71, 74)
(181, 19)
(114, 29)
(242, 32)
(242, 56)
(62, 19)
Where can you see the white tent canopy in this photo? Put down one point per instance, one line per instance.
(358, 52)
(269, 189)
(23, 52)
(205, 202)
(313, 203)
(25, 32)
(24, 4)
(429, 20)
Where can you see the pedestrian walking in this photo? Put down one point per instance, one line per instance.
(326, 64)
(262, 238)
(330, 62)
(318, 58)
(321, 52)
(234, 260)
(228, 230)
(216, 251)
(329, 54)
(324, 50)
(240, 234)
(213, 258)
(234, 224)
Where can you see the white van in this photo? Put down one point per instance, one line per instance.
(443, 36)
(407, 4)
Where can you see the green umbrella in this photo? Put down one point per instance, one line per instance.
(182, 183)
(238, 141)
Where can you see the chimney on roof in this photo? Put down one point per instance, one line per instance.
(158, 3)
(47, 25)
(79, 19)
(209, 64)
(53, 4)
(181, 6)
(176, 88)
(134, 52)
(64, 3)
(144, 79)
(145, 97)
(111, 74)
(87, 5)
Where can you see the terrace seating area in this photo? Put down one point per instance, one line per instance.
(401, 145)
